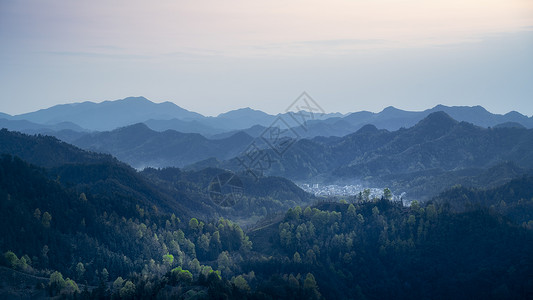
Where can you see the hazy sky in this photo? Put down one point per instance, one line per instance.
(212, 56)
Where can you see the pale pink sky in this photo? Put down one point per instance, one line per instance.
(213, 56)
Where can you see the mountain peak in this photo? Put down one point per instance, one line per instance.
(139, 99)
(390, 109)
(437, 120)
(236, 113)
(439, 107)
(137, 129)
(368, 128)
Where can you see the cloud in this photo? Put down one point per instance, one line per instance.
(86, 54)
(343, 42)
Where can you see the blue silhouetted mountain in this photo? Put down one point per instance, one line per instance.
(30, 127)
(195, 126)
(142, 147)
(393, 119)
(118, 183)
(253, 131)
(244, 118)
(439, 142)
(435, 145)
(109, 114)
(46, 151)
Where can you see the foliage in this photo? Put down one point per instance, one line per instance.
(128, 235)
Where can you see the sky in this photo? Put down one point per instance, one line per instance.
(213, 56)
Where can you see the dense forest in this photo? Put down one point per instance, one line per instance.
(87, 226)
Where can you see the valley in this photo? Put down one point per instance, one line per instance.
(137, 213)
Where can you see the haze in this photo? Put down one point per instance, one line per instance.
(214, 56)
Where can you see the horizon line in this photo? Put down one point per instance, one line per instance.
(344, 114)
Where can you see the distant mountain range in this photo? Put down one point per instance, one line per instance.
(438, 148)
(436, 142)
(110, 115)
(143, 147)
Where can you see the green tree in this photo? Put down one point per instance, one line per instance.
(56, 282)
(294, 282)
(25, 263)
(351, 212)
(240, 283)
(310, 257)
(70, 287)
(168, 259)
(47, 218)
(80, 270)
(203, 242)
(360, 218)
(215, 244)
(128, 290)
(194, 266)
(387, 194)
(83, 197)
(11, 259)
(415, 206)
(296, 257)
(224, 262)
(311, 287)
(105, 274)
(375, 211)
(411, 220)
(431, 211)
(185, 276)
(193, 224)
(117, 284)
(294, 213)
(366, 194)
(308, 213)
(37, 214)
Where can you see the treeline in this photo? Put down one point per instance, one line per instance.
(98, 229)
(380, 249)
(46, 228)
(513, 199)
(257, 199)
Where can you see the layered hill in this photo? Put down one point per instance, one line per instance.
(435, 148)
(436, 142)
(185, 193)
(110, 115)
(142, 147)
(156, 234)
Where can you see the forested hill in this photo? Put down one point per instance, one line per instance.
(436, 148)
(99, 222)
(46, 151)
(382, 250)
(184, 193)
(129, 235)
(513, 199)
(436, 142)
(142, 147)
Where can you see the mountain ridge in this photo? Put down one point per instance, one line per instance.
(141, 147)
(111, 114)
(435, 144)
